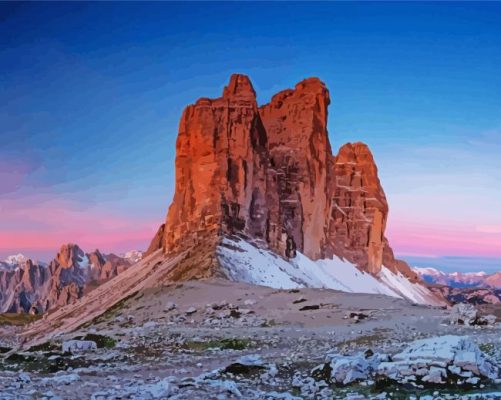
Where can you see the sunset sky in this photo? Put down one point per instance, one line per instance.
(91, 95)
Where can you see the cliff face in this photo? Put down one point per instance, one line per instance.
(36, 288)
(299, 160)
(268, 173)
(221, 159)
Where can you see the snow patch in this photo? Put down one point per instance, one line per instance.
(133, 256)
(84, 262)
(412, 291)
(244, 262)
(16, 259)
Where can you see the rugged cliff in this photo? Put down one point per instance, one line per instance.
(35, 287)
(268, 174)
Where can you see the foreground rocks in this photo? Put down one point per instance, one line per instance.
(453, 360)
(76, 346)
(148, 348)
(467, 314)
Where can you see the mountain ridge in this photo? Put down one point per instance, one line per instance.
(460, 279)
(37, 287)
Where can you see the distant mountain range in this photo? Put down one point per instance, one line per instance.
(36, 287)
(463, 287)
(460, 279)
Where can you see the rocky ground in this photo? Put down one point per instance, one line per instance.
(218, 340)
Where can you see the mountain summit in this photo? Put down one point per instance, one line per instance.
(267, 176)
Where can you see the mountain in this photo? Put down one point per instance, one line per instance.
(260, 198)
(460, 279)
(15, 259)
(265, 178)
(133, 256)
(472, 295)
(463, 287)
(37, 287)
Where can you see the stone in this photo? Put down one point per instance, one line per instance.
(345, 370)
(463, 314)
(245, 365)
(76, 346)
(489, 320)
(191, 310)
(440, 360)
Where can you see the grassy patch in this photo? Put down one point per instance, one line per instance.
(41, 363)
(101, 340)
(233, 344)
(47, 346)
(268, 323)
(367, 340)
(487, 348)
(17, 319)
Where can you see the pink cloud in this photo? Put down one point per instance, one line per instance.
(426, 239)
(40, 224)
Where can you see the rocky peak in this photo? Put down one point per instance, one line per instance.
(69, 255)
(16, 259)
(239, 88)
(36, 287)
(358, 208)
(221, 159)
(299, 151)
(269, 174)
(96, 258)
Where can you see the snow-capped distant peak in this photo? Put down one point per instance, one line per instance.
(454, 279)
(428, 271)
(16, 259)
(133, 256)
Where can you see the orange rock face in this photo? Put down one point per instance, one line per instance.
(268, 173)
(358, 208)
(299, 154)
(221, 160)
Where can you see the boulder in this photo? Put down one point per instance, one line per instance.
(489, 320)
(440, 360)
(463, 314)
(344, 370)
(76, 346)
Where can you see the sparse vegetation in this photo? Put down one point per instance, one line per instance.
(233, 344)
(487, 348)
(17, 319)
(47, 346)
(366, 340)
(102, 341)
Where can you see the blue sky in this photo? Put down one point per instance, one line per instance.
(91, 95)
